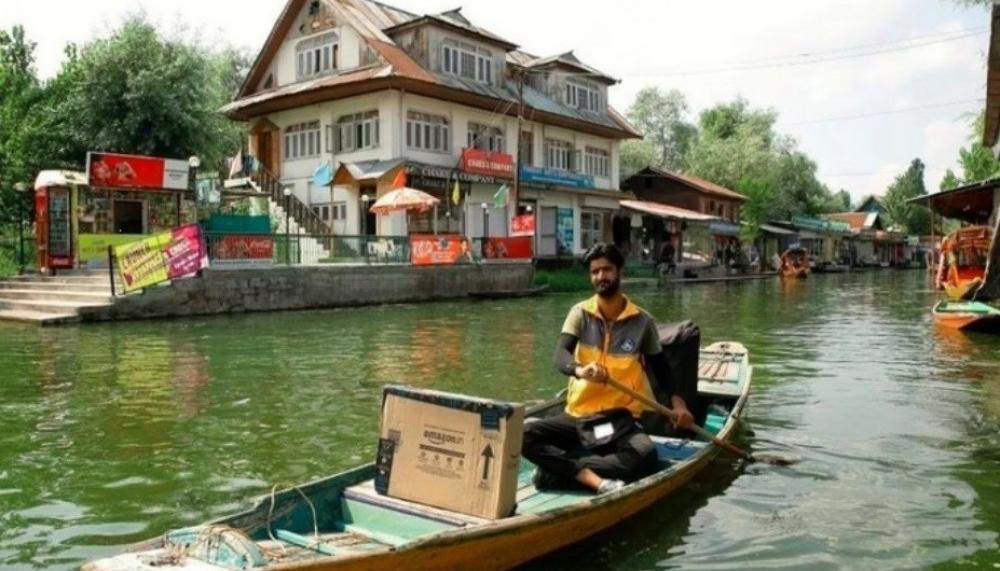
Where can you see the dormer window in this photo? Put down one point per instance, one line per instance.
(468, 62)
(584, 96)
(316, 56)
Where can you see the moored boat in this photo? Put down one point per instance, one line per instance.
(967, 316)
(962, 266)
(795, 263)
(342, 523)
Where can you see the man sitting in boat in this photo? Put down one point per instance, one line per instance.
(597, 441)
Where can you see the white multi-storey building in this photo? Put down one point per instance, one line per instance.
(369, 89)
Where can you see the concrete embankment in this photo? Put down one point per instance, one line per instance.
(221, 291)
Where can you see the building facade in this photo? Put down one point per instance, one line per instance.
(366, 90)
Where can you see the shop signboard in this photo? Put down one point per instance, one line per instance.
(564, 230)
(112, 170)
(439, 249)
(541, 175)
(240, 250)
(479, 161)
(523, 225)
(514, 248)
(165, 256)
(94, 247)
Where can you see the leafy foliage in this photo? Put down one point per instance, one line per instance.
(661, 116)
(134, 91)
(911, 218)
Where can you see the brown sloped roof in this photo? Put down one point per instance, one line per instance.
(855, 219)
(698, 184)
(372, 20)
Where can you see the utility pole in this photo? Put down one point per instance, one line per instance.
(517, 155)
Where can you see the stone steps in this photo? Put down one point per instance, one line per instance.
(32, 294)
(37, 317)
(46, 305)
(46, 300)
(103, 287)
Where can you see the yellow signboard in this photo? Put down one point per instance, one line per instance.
(94, 247)
(141, 263)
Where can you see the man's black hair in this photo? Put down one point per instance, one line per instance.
(604, 250)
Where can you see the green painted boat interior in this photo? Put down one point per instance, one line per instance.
(966, 307)
(344, 515)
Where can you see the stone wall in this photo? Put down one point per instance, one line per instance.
(281, 288)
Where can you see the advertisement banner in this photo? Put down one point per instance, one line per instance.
(523, 225)
(161, 257)
(564, 230)
(431, 249)
(518, 249)
(479, 161)
(240, 250)
(112, 170)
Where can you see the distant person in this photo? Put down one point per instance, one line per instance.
(667, 257)
(597, 441)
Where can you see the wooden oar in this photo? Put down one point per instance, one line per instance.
(768, 459)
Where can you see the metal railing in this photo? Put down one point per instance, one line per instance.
(277, 249)
(16, 255)
(303, 215)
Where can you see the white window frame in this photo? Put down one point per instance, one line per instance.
(317, 55)
(357, 131)
(597, 162)
(427, 132)
(584, 96)
(302, 141)
(467, 61)
(485, 137)
(593, 232)
(559, 154)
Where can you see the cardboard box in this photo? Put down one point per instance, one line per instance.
(450, 451)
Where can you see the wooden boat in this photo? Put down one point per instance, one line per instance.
(967, 315)
(795, 263)
(962, 266)
(341, 523)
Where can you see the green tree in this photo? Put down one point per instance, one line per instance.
(842, 201)
(661, 116)
(911, 218)
(950, 180)
(737, 147)
(140, 92)
(19, 93)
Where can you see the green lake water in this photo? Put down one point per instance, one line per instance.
(114, 433)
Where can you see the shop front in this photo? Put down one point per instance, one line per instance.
(566, 222)
(122, 199)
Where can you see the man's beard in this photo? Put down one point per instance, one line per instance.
(608, 288)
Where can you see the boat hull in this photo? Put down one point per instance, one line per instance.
(977, 318)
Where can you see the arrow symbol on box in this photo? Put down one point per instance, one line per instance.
(487, 456)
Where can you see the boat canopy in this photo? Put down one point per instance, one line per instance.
(972, 203)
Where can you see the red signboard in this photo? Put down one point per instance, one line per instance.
(243, 249)
(514, 248)
(437, 249)
(523, 225)
(488, 163)
(113, 170)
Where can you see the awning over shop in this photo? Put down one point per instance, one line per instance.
(60, 178)
(365, 171)
(776, 230)
(973, 203)
(666, 211)
(720, 228)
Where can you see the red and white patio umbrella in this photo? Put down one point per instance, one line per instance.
(404, 198)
